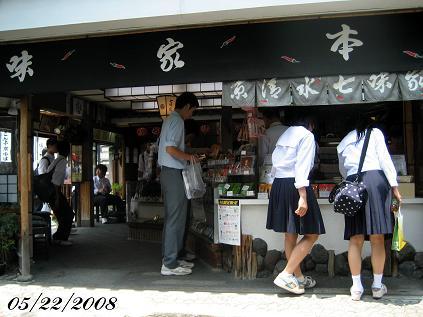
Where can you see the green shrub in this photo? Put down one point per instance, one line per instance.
(9, 228)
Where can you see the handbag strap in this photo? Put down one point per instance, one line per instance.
(55, 165)
(363, 152)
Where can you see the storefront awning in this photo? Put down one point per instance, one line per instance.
(291, 49)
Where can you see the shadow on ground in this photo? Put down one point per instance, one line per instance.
(103, 257)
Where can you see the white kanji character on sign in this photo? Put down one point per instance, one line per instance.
(414, 80)
(305, 89)
(238, 90)
(340, 85)
(344, 41)
(273, 88)
(166, 52)
(20, 66)
(379, 82)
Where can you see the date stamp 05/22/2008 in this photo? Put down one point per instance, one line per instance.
(72, 303)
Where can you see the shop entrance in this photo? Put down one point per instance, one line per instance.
(197, 60)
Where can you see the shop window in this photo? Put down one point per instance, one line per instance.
(8, 189)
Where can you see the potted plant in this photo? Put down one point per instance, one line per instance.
(8, 233)
(117, 189)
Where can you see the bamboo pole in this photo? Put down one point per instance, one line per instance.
(25, 187)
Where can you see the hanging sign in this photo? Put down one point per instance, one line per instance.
(273, 92)
(308, 91)
(239, 94)
(381, 87)
(411, 85)
(5, 147)
(229, 221)
(344, 89)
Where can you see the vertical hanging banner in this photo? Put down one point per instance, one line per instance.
(5, 147)
(229, 220)
(239, 94)
(273, 92)
(411, 85)
(381, 87)
(309, 91)
(344, 89)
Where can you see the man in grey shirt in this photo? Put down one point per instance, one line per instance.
(173, 159)
(274, 129)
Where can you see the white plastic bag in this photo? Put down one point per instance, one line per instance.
(194, 185)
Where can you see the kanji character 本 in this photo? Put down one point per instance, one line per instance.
(340, 85)
(344, 41)
(20, 66)
(305, 89)
(379, 82)
(169, 56)
(411, 78)
(271, 84)
(238, 90)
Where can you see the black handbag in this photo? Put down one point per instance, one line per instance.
(43, 187)
(350, 197)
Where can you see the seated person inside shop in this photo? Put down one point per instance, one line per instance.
(102, 196)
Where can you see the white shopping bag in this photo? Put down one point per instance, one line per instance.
(194, 185)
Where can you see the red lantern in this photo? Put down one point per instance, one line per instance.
(142, 131)
(156, 131)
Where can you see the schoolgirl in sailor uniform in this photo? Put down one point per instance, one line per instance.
(293, 208)
(375, 221)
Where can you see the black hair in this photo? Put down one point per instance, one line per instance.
(63, 148)
(304, 121)
(363, 123)
(271, 113)
(51, 141)
(191, 127)
(186, 98)
(102, 168)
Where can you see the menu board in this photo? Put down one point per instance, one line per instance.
(229, 220)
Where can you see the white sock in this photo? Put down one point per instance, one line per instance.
(377, 280)
(286, 274)
(357, 283)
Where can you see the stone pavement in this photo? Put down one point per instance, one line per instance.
(103, 267)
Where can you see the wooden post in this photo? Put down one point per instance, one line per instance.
(25, 180)
(409, 136)
(388, 261)
(86, 186)
(394, 261)
(331, 263)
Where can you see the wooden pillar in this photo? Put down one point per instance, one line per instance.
(85, 194)
(25, 181)
(409, 136)
(86, 187)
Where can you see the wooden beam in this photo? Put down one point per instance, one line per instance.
(25, 180)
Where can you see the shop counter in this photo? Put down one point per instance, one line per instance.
(254, 216)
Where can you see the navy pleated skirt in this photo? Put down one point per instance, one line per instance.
(283, 202)
(376, 217)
